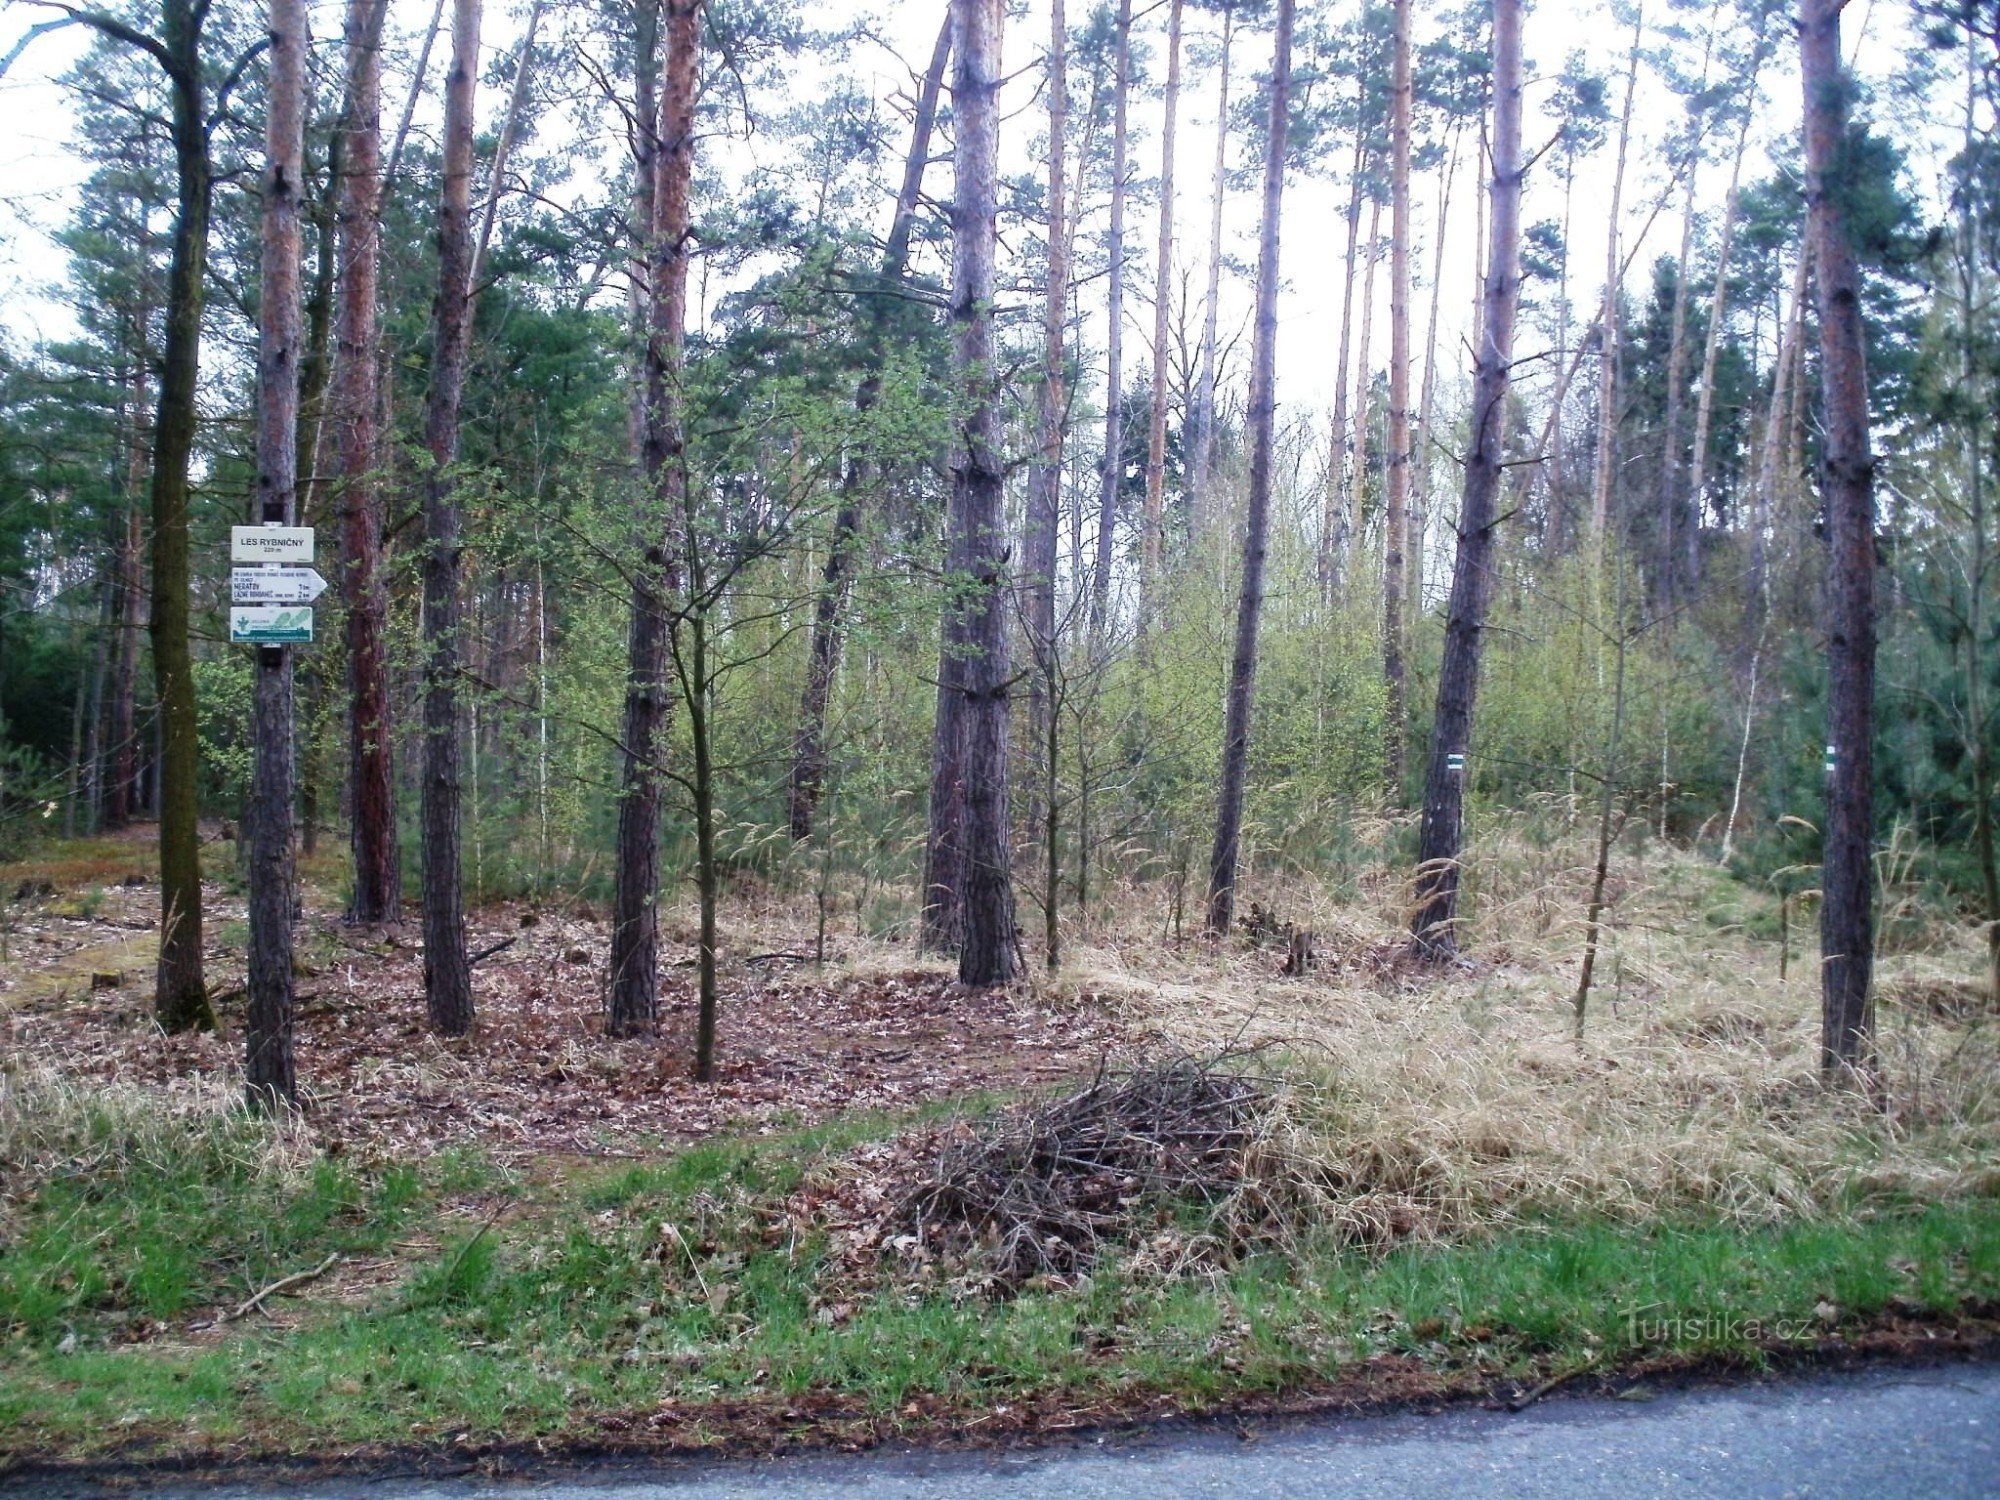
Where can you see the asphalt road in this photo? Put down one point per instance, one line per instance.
(1925, 1434)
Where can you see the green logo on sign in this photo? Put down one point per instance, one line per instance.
(270, 626)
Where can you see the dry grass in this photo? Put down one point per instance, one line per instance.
(1429, 1102)
(1432, 1102)
(54, 1128)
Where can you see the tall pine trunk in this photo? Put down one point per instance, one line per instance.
(973, 668)
(808, 777)
(634, 991)
(269, 1069)
(447, 971)
(357, 401)
(1396, 515)
(1440, 835)
(1156, 429)
(1225, 855)
(1847, 918)
(180, 998)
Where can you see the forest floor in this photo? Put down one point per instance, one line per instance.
(540, 1239)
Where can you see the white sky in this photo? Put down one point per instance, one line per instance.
(39, 170)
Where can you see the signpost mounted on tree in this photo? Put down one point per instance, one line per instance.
(275, 548)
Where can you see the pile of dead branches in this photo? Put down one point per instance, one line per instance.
(1040, 1191)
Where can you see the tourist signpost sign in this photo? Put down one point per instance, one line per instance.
(291, 545)
(272, 585)
(275, 586)
(264, 625)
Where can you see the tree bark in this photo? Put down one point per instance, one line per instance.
(1201, 452)
(1112, 471)
(634, 988)
(808, 777)
(181, 997)
(1439, 837)
(1847, 927)
(974, 665)
(1224, 856)
(1156, 430)
(315, 378)
(378, 875)
(1396, 517)
(447, 971)
(269, 1069)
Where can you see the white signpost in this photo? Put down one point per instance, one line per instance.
(271, 601)
(275, 586)
(292, 545)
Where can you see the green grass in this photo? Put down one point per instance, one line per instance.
(127, 1230)
(577, 1303)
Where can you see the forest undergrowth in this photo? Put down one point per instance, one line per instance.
(1390, 1180)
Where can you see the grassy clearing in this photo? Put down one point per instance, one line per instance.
(603, 1293)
